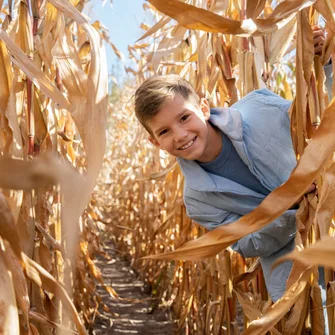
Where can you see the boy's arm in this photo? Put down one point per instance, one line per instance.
(262, 243)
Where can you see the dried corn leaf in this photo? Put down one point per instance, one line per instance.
(90, 115)
(8, 229)
(196, 18)
(275, 312)
(249, 308)
(8, 102)
(294, 320)
(6, 75)
(42, 278)
(37, 76)
(65, 56)
(50, 20)
(42, 319)
(9, 322)
(169, 44)
(37, 173)
(279, 41)
(20, 283)
(321, 252)
(159, 25)
(254, 8)
(326, 204)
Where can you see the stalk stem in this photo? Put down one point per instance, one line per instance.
(245, 40)
(30, 91)
(34, 17)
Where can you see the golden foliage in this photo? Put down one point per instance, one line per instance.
(227, 49)
(52, 141)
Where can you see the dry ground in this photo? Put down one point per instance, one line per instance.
(125, 317)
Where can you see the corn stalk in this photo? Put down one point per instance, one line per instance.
(53, 105)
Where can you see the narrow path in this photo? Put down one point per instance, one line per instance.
(125, 317)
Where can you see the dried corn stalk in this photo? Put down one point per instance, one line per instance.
(53, 104)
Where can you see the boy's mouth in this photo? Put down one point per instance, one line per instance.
(188, 144)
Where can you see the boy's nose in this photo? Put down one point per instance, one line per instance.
(180, 135)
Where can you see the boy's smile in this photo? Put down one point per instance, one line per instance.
(181, 129)
(188, 144)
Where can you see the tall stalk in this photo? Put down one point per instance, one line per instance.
(30, 86)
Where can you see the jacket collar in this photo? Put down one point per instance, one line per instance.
(196, 177)
(229, 121)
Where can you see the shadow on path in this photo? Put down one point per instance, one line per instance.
(127, 317)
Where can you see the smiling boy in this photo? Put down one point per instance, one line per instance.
(231, 158)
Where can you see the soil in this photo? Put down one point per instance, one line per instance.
(137, 312)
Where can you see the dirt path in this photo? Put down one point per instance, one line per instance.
(126, 317)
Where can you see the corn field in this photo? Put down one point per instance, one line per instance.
(75, 165)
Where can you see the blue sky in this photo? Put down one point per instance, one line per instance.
(123, 21)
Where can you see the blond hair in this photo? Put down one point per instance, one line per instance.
(153, 92)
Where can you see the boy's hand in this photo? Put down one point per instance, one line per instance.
(309, 190)
(319, 38)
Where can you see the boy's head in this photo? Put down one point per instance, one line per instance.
(153, 92)
(175, 117)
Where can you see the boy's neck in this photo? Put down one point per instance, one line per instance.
(214, 144)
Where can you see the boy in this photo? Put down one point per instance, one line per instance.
(231, 158)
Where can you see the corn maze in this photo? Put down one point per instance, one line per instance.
(77, 170)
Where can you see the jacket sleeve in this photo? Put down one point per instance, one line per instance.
(329, 78)
(261, 243)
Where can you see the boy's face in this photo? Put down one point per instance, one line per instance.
(181, 129)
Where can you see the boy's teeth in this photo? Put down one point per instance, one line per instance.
(187, 145)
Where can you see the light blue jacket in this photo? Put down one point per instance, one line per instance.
(259, 128)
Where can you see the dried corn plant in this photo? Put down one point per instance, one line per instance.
(53, 105)
(227, 49)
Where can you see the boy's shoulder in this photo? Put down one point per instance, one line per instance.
(262, 100)
(258, 109)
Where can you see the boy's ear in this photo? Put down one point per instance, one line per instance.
(204, 106)
(154, 142)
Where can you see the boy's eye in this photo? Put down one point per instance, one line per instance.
(185, 117)
(164, 131)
